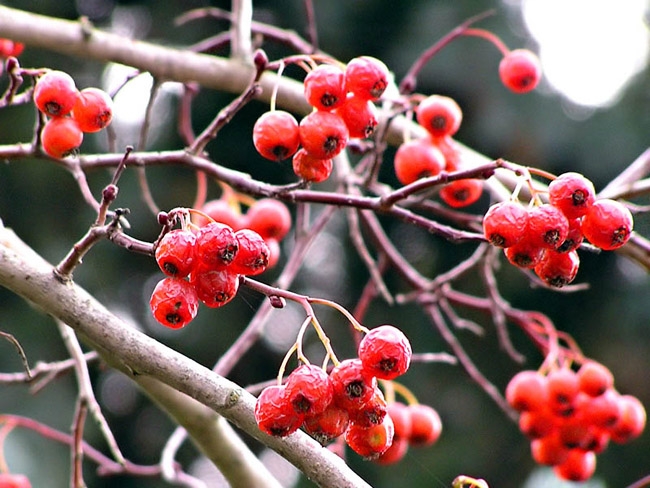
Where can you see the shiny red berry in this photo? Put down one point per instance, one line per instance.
(439, 115)
(174, 302)
(308, 168)
(268, 217)
(55, 93)
(547, 226)
(366, 77)
(353, 386)
(359, 115)
(216, 245)
(595, 378)
(93, 109)
(61, 137)
(524, 254)
(401, 416)
(607, 224)
(215, 288)
(370, 442)
(276, 135)
(323, 134)
(253, 255)
(175, 253)
(520, 70)
(325, 87)
(572, 193)
(574, 238)
(10, 48)
(527, 391)
(395, 453)
(426, 425)
(417, 158)
(558, 269)
(328, 425)
(274, 414)
(461, 193)
(578, 466)
(385, 352)
(309, 390)
(632, 420)
(504, 223)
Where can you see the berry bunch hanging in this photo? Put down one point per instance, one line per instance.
(545, 236)
(343, 101)
(203, 265)
(571, 416)
(71, 112)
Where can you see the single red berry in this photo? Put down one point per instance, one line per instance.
(55, 93)
(325, 87)
(61, 137)
(563, 388)
(219, 210)
(461, 193)
(607, 224)
(175, 253)
(373, 412)
(520, 70)
(416, 159)
(174, 302)
(385, 352)
(451, 150)
(93, 109)
(274, 414)
(426, 425)
(215, 288)
(366, 77)
(527, 391)
(10, 48)
(253, 255)
(505, 223)
(579, 466)
(632, 421)
(353, 386)
(572, 193)
(309, 390)
(370, 442)
(595, 378)
(439, 115)
(359, 115)
(216, 245)
(276, 135)
(9, 480)
(268, 217)
(323, 134)
(603, 411)
(328, 425)
(547, 226)
(549, 450)
(524, 254)
(537, 423)
(401, 416)
(308, 168)
(574, 238)
(394, 453)
(558, 268)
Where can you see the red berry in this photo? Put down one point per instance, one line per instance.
(10, 48)
(385, 352)
(549, 450)
(524, 254)
(309, 390)
(607, 224)
(401, 416)
(604, 410)
(270, 218)
(520, 70)
(563, 388)
(578, 466)
(216, 245)
(328, 425)
(450, 150)
(323, 134)
(537, 423)
(325, 87)
(215, 288)
(439, 115)
(572, 193)
(558, 269)
(276, 135)
(395, 452)
(353, 386)
(8, 480)
(527, 391)
(632, 421)
(309, 168)
(359, 115)
(416, 159)
(370, 442)
(274, 414)
(461, 193)
(61, 137)
(93, 109)
(574, 238)
(373, 412)
(595, 378)
(174, 302)
(366, 77)
(175, 253)
(55, 93)
(504, 223)
(426, 425)
(219, 210)
(547, 226)
(253, 255)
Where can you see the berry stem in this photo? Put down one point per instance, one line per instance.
(348, 315)
(287, 356)
(402, 390)
(490, 36)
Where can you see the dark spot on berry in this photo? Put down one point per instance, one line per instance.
(170, 268)
(387, 365)
(280, 152)
(439, 122)
(331, 144)
(173, 318)
(620, 235)
(522, 259)
(497, 240)
(229, 252)
(355, 389)
(578, 198)
(378, 88)
(557, 281)
(301, 404)
(328, 100)
(566, 246)
(52, 108)
(552, 236)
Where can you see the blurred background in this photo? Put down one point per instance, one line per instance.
(591, 114)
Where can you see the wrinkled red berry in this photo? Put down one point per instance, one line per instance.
(385, 352)
(366, 77)
(175, 253)
(417, 158)
(174, 302)
(607, 224)
(504, 223)
(274, 414)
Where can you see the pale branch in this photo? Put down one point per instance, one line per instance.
(137, 355)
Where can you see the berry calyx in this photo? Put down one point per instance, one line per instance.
(416, 159)
(93, 109)
(385, 352)
(366, 77)
(323, 134)
(607, 224)
(353, 386)
(61, 137)
(174, 302)
(439, 115)
(275, 135)
(55, 93)
(216, 245)
(520, 70)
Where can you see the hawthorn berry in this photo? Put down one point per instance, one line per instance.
(520, 70)
(416, 159)
(308, 168)
(572, 193)
(328, 425)
(373, 412)
(370, 442)
(594, 378)
(605, 410)
(504, 223)
(174, 302)
(547, 226)
(61, 137)
(308, 389)
(175, 253)
(276, 135)
(450, 150)
(426, 425)
(439, 115)
(549, 450)
(215, 287)
(607, 224)
(524, 254)
(385, 352)
(574, 238)
(324, 87)
(323, 134)
(274, 414)
(401, 416)
(578, 466)
(55, 93)
(527, 391)
(269, 217)
(359, 115)
(461, 193)
(9, 480)
(631, 422)
(219, 210)
(563, 388)
(216, 245)
(353, 386)
(366, 77)
(396, 452)
(537, 423)
(558, 268)
(93, 109)
(253, 255)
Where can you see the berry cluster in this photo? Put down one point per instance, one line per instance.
(71, 112)
(416, 425)
(203, 265)
(429, 156)
(546, 237)
(8, 480)
(343, 108)
(571, 416)
(347, 401)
